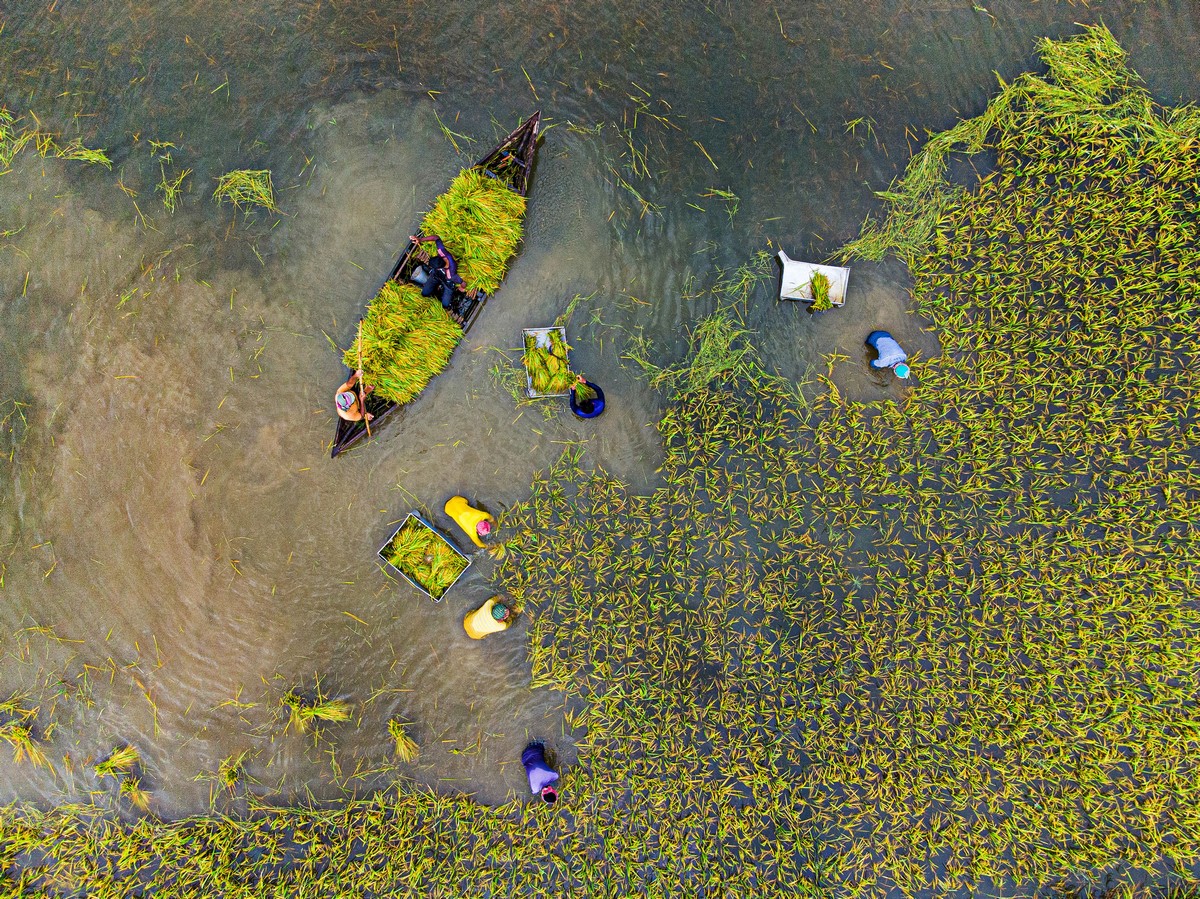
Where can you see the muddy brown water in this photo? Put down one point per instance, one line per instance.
(179, 550)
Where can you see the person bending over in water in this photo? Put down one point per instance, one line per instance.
(346, 399)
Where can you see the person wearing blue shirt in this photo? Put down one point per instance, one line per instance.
(889, 354)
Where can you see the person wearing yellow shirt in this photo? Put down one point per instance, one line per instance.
(475, 522)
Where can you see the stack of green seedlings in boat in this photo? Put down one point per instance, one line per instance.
(944, 648)
(424, 555)
(548, 367)
(406, 339)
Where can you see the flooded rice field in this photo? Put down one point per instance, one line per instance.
(178, 549)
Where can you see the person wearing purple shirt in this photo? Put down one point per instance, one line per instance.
(541, 775)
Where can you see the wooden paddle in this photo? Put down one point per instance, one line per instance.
(362, 397)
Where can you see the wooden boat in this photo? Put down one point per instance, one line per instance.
(512, 161)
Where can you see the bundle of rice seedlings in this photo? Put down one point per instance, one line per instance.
(549, 371)
(19, 735)
(406, 748)
(819, 284)
(479, 219)
(121, 761)
(249, 188)
(424, 556)
(406, 340)
(305, 712)
(131, 789)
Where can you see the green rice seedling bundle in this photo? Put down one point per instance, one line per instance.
(546, 363)
(306, 712)
(819, 283)
(423, 555)
(406, 747)
(246, 188)
(406, 340)
(121, 760)
(480, 220)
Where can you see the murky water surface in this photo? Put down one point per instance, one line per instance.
(178, 549)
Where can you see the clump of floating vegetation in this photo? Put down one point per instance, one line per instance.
(120, 761)
(424, 556)
(406, 747)
(14, 137)
(17, 730)
(944, 648)
(124, 765)
(308, 710)
(404, 340)
(246, 188)
(479, 219)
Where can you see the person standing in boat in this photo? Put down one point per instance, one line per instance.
(443, 271)
(345, 400)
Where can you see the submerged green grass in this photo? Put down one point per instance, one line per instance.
(948, 644)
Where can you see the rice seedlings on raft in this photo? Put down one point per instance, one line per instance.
(547, 366)
(425, 556)
(246, 188)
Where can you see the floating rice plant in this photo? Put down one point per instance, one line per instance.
(75, 150)
(405, 340)
(14, 138)
(120, 761)
(232, 770)
(479, 219)
(246, 188)
(171, 188)
(132, 790)
(17, 730)
(406, 748)
(308, 711)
